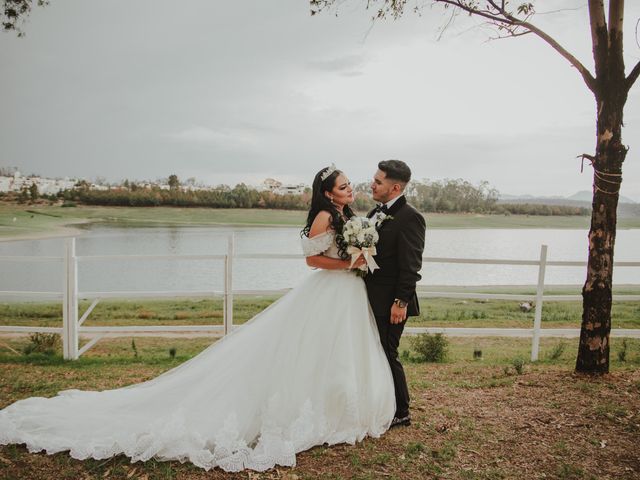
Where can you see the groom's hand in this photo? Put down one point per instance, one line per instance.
(398, 315)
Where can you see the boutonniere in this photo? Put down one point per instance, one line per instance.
(379, 218)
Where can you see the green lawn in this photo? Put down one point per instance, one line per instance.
(435, 312)
(493, 417)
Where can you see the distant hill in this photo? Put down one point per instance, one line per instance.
(586, 196)
(627, 208)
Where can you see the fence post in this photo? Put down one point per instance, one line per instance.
(228, 286)
(537, 322)
(70, 302)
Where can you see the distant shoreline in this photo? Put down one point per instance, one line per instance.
(23, 222)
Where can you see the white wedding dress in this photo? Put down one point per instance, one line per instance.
(308, 370)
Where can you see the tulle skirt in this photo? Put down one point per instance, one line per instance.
(308, 370)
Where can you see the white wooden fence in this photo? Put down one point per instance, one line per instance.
(72, 324)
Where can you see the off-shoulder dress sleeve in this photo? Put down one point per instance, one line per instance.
(316, 245)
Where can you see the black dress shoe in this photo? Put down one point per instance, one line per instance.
(400, 421)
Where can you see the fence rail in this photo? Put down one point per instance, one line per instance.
(72, 324)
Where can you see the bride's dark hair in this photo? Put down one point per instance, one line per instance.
(320, 202)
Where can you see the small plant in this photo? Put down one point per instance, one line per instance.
(134, 348)
(355, 460)
(69, 203)
(46, 343)
(414, 449)
(172, 352)
(382, 459)
(445, 453)
(518, 365)
(477, 353)
(430, 348)
(622, 353)
(557, 351)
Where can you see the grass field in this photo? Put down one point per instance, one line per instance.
(488, 418)
(493, 417)
(435, 312)
(30, 221)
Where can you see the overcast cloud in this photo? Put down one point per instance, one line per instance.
(231, 92)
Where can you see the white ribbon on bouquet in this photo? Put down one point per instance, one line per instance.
(368, 253)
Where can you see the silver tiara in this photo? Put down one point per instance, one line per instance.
(328, 172)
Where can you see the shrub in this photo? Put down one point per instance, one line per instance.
(518, 365)
(414, 449)
(430, 348)
(46, 343)
(557, 351)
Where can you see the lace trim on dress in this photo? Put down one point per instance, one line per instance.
(171, 439)
(316, 245)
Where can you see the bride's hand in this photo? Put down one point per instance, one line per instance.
(358, 263)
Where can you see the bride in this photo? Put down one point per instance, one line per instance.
(308, 370)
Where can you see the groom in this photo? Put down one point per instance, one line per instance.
(392, 288)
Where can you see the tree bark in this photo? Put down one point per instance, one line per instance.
(611, 95)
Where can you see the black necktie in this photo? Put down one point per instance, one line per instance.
(381, 208)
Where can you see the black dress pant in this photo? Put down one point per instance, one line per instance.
(390, 338)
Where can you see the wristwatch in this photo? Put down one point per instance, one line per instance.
(400, 303)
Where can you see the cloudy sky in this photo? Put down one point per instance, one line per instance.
(231, 92)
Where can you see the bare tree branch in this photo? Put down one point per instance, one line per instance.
(598, 26)
(504, 18)
(633, 76)
(551, 12)
(449, 22)
(475, 11)
(616, 16)
(584, 71)
(495, 12)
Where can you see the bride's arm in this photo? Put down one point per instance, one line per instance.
(321, 224)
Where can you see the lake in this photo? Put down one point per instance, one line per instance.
(250, 274)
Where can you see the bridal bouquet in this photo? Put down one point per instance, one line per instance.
(361, 236)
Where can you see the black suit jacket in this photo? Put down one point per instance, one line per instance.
(399, 255)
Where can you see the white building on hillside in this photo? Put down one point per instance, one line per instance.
(46, 186)
(277, 187)
(5, 184)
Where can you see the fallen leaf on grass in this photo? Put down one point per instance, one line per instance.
(442, 428)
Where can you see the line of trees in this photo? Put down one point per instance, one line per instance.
(443, 196)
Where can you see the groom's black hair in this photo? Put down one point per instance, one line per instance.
(396, 170)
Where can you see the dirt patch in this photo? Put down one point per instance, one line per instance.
(469, 422)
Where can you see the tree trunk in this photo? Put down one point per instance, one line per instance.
(593, 351)
(611, 95)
